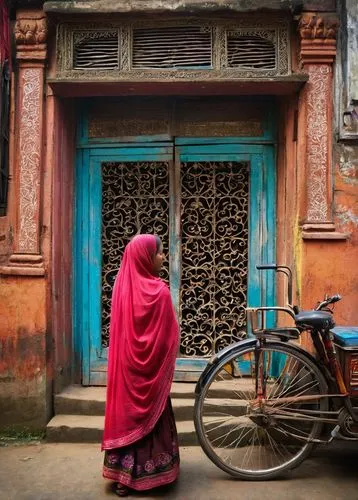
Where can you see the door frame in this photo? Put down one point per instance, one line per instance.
(87, 247)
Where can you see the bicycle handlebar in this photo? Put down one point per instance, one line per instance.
(327, 301)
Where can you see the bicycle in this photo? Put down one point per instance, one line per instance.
(263, 403)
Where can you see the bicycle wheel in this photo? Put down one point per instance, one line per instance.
(253, 438)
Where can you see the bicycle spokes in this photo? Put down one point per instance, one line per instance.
(255, 418)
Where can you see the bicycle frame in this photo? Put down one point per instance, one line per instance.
(278, 394)
(327, 361)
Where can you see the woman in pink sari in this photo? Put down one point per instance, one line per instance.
(140, 438)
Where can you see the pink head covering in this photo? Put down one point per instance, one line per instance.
(142, 349)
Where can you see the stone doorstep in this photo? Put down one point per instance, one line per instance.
(79, 412)
(183, 408)
(88, 429)
(78, 400)
(178, 390)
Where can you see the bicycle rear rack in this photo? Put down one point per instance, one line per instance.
(257, 324)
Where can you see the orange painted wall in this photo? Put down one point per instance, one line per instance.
(25, 344)
(329, 266)
(24, 390)
(319, 266)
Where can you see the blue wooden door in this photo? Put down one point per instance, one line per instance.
(180, 165)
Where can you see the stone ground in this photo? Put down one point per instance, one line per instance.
(49, 471)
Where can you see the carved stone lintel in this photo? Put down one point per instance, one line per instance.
(31, 35)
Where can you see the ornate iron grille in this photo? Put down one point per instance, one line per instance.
(135, 199)
(171, 47)
(214, 255)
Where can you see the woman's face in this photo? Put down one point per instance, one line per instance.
(158, 260)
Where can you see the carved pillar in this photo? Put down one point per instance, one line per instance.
(317, 55)
(30, 37)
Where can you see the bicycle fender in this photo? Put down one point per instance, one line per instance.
(214, 360)
(236, 348)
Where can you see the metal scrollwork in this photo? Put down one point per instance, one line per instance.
(214, 232)
(135, 199)
(214, 255)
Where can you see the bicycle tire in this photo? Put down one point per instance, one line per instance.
(273, 346)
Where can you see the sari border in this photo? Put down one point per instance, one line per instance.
(145, 483)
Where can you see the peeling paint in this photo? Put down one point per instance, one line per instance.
(347, 217)
(352, 59)
(348, 166)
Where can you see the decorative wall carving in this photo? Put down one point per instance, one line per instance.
(317, 53)
(31, 31)
(313, 26)
(29, 166)
(318, 95)
(30, 35)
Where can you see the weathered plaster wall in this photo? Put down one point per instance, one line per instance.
(5, 239)
(332, 266)
(329, 266)
(346, 95)
(346, 190)
(25, 343)
(352, 39)
(24, 368)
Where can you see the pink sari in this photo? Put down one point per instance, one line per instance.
(142, 352)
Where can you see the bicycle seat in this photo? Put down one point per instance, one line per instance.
(319, 320)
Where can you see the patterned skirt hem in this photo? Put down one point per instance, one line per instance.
(144, 483)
